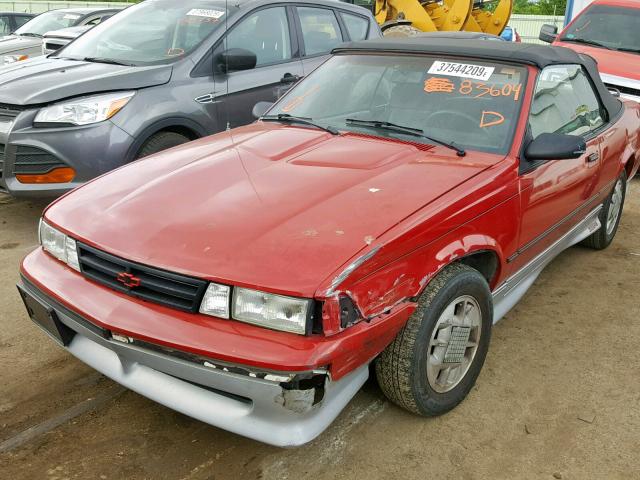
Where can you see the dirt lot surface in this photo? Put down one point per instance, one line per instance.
(559, 396)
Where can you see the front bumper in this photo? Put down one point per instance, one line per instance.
(90, 150)
(264, 410)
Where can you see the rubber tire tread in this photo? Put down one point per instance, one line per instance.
(161, 141)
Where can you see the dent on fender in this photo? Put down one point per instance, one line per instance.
(403, 280)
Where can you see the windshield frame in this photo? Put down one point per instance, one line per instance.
(511, 134)
(230, 16)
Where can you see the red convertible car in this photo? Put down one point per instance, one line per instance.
(385, 212)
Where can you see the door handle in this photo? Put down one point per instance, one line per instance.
(594, 157)
(288, 78)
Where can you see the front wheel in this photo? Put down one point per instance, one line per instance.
(609, 216)
(161, 141)
(436, 358)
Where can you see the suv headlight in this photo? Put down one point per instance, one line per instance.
(85, 110)
(7, 59)
(267, 310)
(58, 245)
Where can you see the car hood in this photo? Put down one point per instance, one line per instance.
(45, 80)
(621, 64)
(69, 32)
(275, 207)
(14, 43)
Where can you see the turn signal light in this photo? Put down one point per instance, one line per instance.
(57, 175)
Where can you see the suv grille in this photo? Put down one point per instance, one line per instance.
(157, 286)
(8, 112)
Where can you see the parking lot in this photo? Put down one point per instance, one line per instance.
(558, 397)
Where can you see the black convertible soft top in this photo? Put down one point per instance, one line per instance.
(539, 56)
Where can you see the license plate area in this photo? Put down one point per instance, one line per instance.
(45, 318)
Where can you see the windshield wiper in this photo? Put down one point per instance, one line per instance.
(109, 61)
(285, 117)
(585, 41)
(416, 132)
(628, 49)
(29, 34)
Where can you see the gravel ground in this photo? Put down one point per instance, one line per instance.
(559, 395)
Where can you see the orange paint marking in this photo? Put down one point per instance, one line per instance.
(488, 122)
(438, 85)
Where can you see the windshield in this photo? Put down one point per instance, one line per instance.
(473, 104)
(151, 32)
(47, 22)
(612, 27)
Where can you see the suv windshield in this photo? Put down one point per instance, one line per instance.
(54, 20)
(154, 31)
(471, 104)
(607, 26)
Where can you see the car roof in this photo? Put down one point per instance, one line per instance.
(459, 35)
(619, 3)
(530, 54)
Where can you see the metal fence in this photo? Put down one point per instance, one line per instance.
(40, 6)
(528, 26)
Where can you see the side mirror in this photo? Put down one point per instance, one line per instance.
(235, 60)
(555, 146)
(548, 33)
(260, 108)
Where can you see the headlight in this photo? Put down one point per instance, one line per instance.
(272, 311)
(14, 58)
(58, 245)
(84, 111)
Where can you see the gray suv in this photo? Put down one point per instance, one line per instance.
(157, 75)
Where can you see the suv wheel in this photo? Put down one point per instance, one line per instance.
(161, 141)
(435, 359)
(609, 216)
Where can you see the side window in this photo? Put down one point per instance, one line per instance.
(21, 20)
(265, 33)
(564, 102)
(357, 26)
(5, 25)
(320, 30)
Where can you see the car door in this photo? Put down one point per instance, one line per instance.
(320, 33)
(555, 195)
(268, 33)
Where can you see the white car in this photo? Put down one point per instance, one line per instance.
(55, 40)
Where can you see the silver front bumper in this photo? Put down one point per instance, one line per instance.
(252, 407)
(624, 85)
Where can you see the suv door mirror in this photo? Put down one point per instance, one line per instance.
(548, 33)
(260, 108)
(555, 146)
(234, 60)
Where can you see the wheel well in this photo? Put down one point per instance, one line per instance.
(179, 129)
(486, 262)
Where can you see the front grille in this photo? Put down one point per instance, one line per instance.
(157, 286)
(624, 90)
(34, 161)
(2, 147)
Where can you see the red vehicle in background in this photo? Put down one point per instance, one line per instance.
(385, 212)
(609, 31)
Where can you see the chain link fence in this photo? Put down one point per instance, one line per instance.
(40, 6)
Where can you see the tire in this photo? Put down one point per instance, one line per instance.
(610, 216)
(401, 31)
(159, 142)
(401, 369)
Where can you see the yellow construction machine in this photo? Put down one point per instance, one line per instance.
(403, 18)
